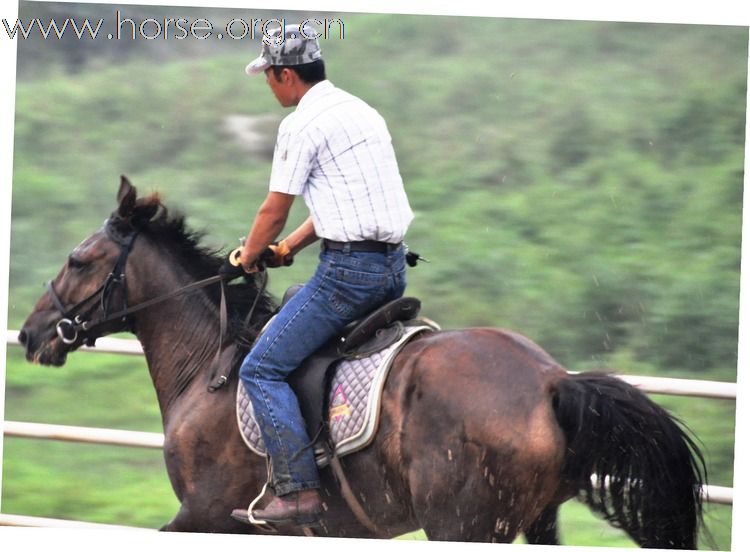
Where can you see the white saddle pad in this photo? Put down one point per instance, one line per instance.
(354, 399)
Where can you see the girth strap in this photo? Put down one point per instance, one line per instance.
(351, 500)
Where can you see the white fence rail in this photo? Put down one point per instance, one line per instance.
(657, 385)
(12, 520)
(648, 384)
(711, 493)
(73, 434)
(718, 495)
(103, 345)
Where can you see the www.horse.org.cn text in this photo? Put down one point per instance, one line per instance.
(167, 28)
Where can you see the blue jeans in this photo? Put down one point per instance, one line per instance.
(345, 286)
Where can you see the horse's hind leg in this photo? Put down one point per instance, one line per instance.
(543, 529)
(455, 498)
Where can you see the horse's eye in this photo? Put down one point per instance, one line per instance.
(75, 263)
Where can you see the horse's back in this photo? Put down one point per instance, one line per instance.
(487, 371)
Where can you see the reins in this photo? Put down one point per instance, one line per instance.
(220, 380)
(75, 325)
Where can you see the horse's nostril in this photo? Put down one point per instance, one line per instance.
(23, 337)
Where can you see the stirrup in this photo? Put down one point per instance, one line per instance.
(259, 523)
(250, 517)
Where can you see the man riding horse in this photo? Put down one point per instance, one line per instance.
(335, 151)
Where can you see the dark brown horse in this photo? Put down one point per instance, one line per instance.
(482, 436)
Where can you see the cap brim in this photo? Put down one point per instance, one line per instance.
(258, 65)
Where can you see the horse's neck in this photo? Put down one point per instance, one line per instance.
(179, 336)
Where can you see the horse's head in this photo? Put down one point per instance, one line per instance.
(91, 286)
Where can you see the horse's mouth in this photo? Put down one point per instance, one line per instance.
(52, 353)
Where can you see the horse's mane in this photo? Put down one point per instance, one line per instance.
(248, 305)
(170, 231)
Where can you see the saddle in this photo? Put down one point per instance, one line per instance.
(367, 345)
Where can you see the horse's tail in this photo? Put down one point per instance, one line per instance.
(630, 460)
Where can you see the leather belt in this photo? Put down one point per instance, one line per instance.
(368, 246)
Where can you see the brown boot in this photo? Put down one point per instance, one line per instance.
(299, 508)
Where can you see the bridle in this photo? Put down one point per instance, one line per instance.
(77, 323)
(76, 320)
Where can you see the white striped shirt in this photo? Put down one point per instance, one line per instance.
(336, 151)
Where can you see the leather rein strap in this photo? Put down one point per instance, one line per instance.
(80, 326)
(75, 324)
(223, 377)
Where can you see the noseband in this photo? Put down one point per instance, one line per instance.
(76, 319)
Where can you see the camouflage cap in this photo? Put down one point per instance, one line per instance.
(299, 45)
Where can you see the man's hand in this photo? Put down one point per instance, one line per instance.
(282, 255)
(229, 271)
(232, 268)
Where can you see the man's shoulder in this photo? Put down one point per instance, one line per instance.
(287, 121)
(346, 97)
(343, 107)
(297, 121)
(328, 113)
(331, 96)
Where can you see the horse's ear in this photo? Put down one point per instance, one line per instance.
(125, 197)
(146, 210)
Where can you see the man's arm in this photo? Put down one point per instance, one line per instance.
(269, 222)
(303, 236)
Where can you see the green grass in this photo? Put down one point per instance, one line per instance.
(96, 483)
